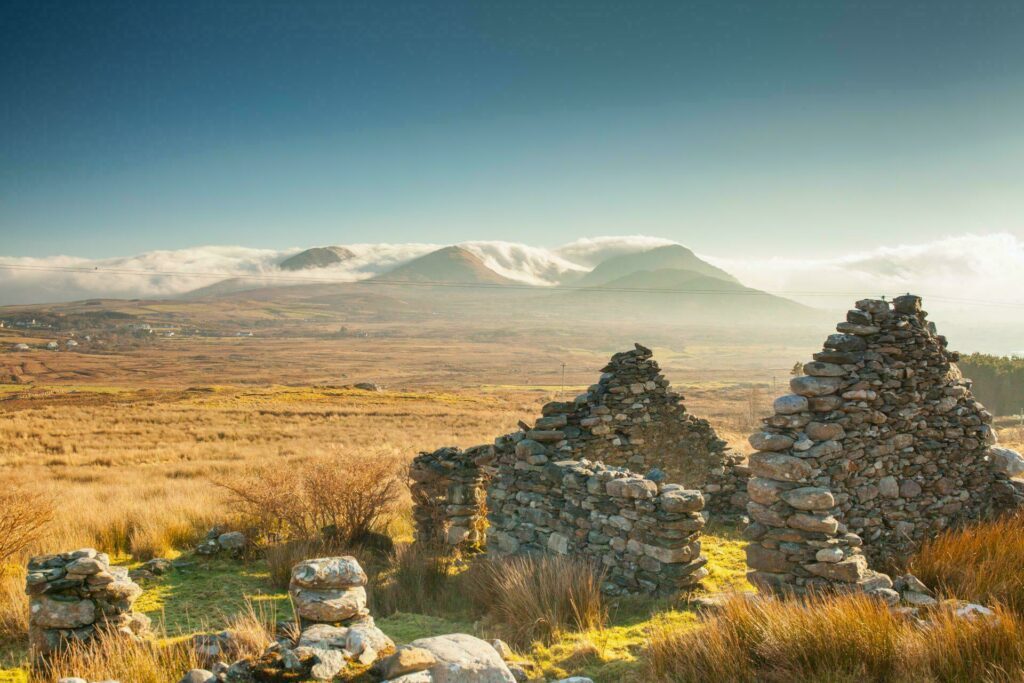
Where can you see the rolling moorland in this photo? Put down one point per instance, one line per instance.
(137, 440)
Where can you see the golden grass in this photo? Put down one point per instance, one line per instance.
(839, 639)
(114, 657)
(532, 598)
(981, 562)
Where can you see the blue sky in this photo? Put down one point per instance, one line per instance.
(736, 128)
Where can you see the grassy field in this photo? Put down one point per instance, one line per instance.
(135, 464)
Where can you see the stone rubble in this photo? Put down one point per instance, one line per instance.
(75, 594)
(880, 445)
(232, 542)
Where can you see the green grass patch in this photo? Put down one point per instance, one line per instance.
(203, 596)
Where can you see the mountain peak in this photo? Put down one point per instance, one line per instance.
(317, 257)
(668, 257)
(452, 264)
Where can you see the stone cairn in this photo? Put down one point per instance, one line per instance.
(448, 493)
(329, 595)
(880, 445)
(74, 595)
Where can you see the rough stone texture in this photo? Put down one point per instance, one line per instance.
(448, 496)
(329, 594)
(885, 454)
(328, 572)
(74, 593)
(633, 418)
(645, 534)
(461, 658)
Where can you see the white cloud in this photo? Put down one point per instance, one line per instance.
(590, 251)
(533, 265)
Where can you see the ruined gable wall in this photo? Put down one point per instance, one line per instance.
(633, 418)
(880, 445)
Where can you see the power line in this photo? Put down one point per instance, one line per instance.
(377, 281)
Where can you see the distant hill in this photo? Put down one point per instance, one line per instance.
(223, 288)
(677, 295)
(447, 265)
(317, 257)
(669, 257)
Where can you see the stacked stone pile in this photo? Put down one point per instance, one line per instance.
(880, 445)
(73, 595)
(448, 496)
(329, 595)
(645, 534)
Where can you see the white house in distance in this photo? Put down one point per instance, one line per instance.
(52, 345)
(21, 347)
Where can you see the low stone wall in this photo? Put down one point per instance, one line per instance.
(645, 534)
(880, 445)
(72, 595)
(448, 496)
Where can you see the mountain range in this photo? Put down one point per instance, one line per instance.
(665, 283)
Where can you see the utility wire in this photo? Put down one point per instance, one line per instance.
(293, 279)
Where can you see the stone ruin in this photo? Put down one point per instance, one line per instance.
(74, 595)
(645, 534)
(880, 445)
(633, 418)
(561, 485)
(448, 490)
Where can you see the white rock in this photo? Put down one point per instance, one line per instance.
(461, 658)
(1006, 460)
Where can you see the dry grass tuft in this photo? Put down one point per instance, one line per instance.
(111, 656)
(419, 580)
(13, 604)
(839, 639)
(531, 599)
(981, 562)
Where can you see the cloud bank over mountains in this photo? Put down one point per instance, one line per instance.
(954, 271)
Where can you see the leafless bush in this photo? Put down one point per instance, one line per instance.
(24, 515)
(349, 496)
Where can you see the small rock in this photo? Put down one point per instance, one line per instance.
(502, 648)
(329, 664)
(198, 676)
(407, 659)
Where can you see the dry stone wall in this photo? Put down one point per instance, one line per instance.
(72, 595)
(880, 445)
(448, 493)
(645, 534)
